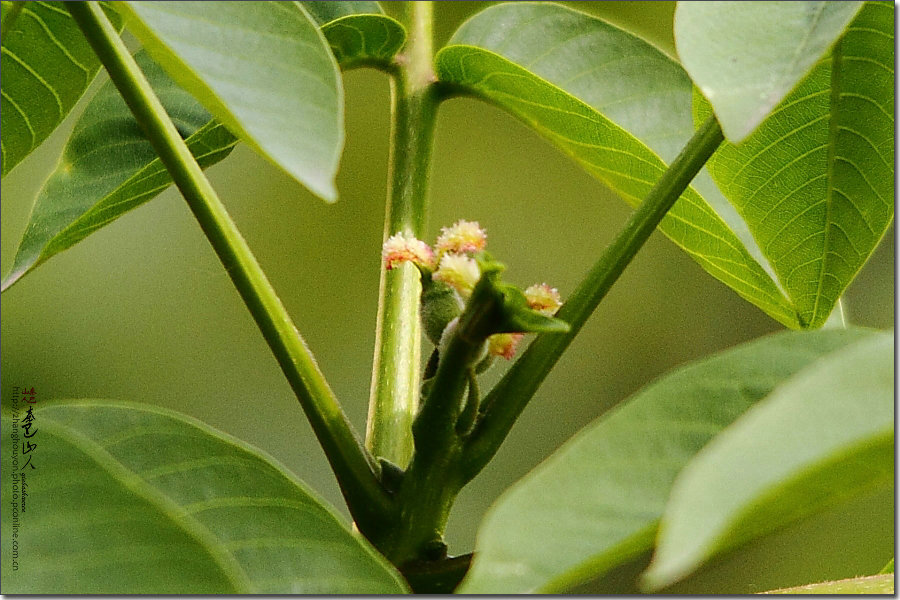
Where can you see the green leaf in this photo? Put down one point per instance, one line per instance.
(128, 499)
(359, 33)
(596, 502)
(108, 168)
(888, 568)
(95, 182)
(615, 104)
(746, 56)
(365, 40)
(47, 65)
(324, 12)
(873, 584)
(815, 182)
(823, 437)
(262, 68)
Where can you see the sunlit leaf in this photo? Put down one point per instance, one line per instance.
(126, 499)
(815, 181)
(596, 502)
(619, 107)
(824, 436)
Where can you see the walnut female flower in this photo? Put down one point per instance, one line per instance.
(504, 344)
(459, 272)
(461, 237)
(543, 298)
(403, 247)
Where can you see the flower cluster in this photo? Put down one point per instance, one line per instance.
(452, 262)
(542, 298)
(404, 247)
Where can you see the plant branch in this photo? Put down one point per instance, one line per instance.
(395, 374)
(438, 576)
(365, 496)
(433, 479)
(508, 399)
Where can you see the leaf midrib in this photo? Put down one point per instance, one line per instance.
(833, 103)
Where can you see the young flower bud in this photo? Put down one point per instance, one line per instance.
(543, 298)
(439, 305)
(403, 247)
(463, 236)
(459, 272)
(504, 344)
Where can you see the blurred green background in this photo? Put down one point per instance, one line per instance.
(143, 311)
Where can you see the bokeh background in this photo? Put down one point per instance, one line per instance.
(143, 311)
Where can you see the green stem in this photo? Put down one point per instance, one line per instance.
(508, 399)
(431, 483)
(437, 576)
(365, 496)
(395, 374)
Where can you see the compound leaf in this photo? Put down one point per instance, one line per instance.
(619, 107)
(815, 181)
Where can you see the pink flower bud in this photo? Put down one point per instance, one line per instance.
(462, 236)
(543, 298)
(403, 247)
(504, 344)
(459, 272)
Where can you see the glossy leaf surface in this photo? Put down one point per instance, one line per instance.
(815, 182)
(47, 66)
(596, 502)
(619, 107)
(261, 68)
(823, 437)
(130, 499)
(746, 56)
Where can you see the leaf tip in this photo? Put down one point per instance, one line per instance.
(325, 190)
(11, 277)
(660, 575)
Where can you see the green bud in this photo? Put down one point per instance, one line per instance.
(440, 305)
(391, 474)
